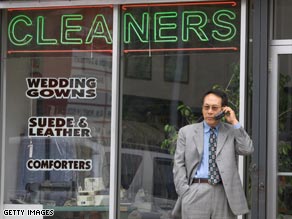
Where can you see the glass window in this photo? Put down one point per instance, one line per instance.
(285, 137)
(171, 55)
(282, 19)
(58, 109)
(163, 178)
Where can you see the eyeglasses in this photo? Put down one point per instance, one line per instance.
(214, 108)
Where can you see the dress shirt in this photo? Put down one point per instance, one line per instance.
(203, 169)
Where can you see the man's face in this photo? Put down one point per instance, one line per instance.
(211, 106)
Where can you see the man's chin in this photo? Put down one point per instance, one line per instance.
(211, 121)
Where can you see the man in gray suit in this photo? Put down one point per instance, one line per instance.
(205, 163)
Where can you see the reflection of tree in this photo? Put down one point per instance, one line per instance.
(284, 196)
(285, 117)
(285, 147)
(285, 101)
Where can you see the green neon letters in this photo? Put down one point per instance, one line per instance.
(142, 31)
(193, 26)
(41, 33)
(220, 22)
(161, 27)
(197, 26)
(20, 35)
(17, 40)
(186, 26)
(99, 29)
(67, 28)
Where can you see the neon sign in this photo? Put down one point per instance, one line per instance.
(169, 27)
(99, 29)
(162, 27)
(46, 30)
(189, 26)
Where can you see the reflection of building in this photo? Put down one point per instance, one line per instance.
(96, 110)
(147, 60)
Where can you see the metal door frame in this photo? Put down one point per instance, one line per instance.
(276, 49)
(260, 43)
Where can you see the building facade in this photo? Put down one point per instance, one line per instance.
(93, 93)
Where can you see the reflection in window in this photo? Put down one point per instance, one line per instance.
(129, 170)
(163, 67)
(58, 86)
(141, 62)
(282, 19)
(285, 137)
(38, 182)
(284, 197)
(163, 179)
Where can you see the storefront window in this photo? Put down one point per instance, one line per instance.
(57, 95)
(171, 55)
(58, 109)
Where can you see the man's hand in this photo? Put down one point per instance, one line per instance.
(230, 115)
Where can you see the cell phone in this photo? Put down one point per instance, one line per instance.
(219, 115)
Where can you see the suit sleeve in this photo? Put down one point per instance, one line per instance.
(179, 168)
(243, 143)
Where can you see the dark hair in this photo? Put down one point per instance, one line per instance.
(218, 93)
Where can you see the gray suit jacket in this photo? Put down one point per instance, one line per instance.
(230, 143)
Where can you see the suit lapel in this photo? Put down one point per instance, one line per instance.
(222, 135)
(198, 138)
(196, 148)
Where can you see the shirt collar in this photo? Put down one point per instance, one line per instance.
(207, 127)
